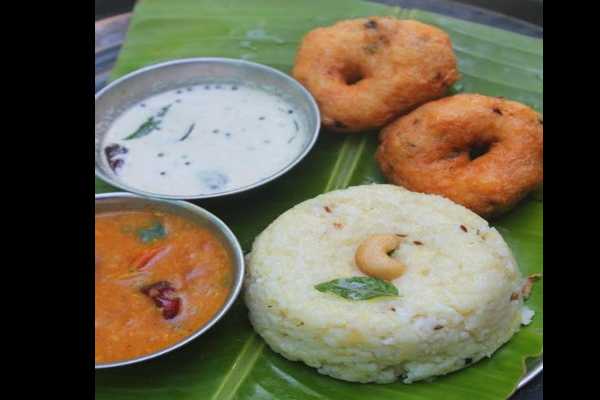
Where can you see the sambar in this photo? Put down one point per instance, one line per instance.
(158, 279)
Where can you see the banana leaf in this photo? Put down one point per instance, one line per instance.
(232, 361)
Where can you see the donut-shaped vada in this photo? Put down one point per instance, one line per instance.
(483, 152)
(365, 72)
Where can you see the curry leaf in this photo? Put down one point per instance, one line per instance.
(358, 288)
(151, 124)
(187, 133)
(152, 233)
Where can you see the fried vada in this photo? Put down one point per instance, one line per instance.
(459, 297)
(485, 153)
(366, 71)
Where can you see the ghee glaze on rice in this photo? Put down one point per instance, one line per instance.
(459, 298)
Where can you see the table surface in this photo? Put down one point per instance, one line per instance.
(524, 10)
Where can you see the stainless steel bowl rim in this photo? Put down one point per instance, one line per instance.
(312, 103)
(235, 291)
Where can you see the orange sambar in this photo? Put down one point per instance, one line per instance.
(158, 279)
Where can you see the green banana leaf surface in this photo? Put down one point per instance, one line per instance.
(231, 361)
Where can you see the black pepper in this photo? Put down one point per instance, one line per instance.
(371, 24)
(464, 228)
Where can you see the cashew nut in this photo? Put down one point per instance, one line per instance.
(372, 257)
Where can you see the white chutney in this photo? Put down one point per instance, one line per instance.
(204, 139)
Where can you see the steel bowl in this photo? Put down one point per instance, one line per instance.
(123, 93)
(111, 202)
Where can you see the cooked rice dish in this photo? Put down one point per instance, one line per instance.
(459, 298)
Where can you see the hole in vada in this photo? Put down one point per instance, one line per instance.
(478, 150)
(353, 76)
(351, 73)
